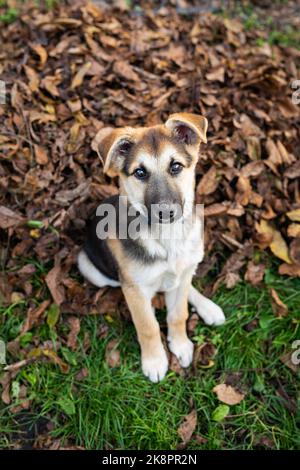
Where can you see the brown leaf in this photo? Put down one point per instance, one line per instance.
(286, 359)
(41, 352)
(74, 323)
(294, 215)
(50, 84)
(278, 245)
(244, 191)
(217, 74)
(41, 52)
(78, 78)
(200, 439)
(112, 354)
(40, 155)
(295, 251)
(188, 426)
(158, 301)
(253, 148)
(9, 218)
(227, 394)
(231, 280)
(203, 355)
(255, 273)
(253, 169)
(53, 281)
(208, 183)
(82, 374)
(248, 127)
(215, 210)
(124, 69)
(293, 171)
(33, 315)
(16, 366)
(175, 366)
(279, 308)
(289, 269)
(5, 381)
(294, 230)
(192, 323)
(33, 77)
(287, 108)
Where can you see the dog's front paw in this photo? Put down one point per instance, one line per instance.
(211, 313)
(156, 366)
(183, 350)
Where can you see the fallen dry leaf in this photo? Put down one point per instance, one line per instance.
(188, 426)
(41, 155)
(279, 308)
(33, 315)
(9, 218)
(278, 245)
(41, 52)
(294, 215)
(255, 273)
(53, 281)
(112, 354)
(294, 230)
(78, 78)
(289, 269)
(208, 183)
(227, 394)
(74, 323)
(294, 251)
(286, 359)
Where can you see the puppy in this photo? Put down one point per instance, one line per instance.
(160, 253)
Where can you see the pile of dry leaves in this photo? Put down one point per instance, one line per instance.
(78, 67)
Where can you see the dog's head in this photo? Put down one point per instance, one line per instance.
(156, 164)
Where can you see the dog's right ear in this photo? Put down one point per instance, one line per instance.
(113, 146)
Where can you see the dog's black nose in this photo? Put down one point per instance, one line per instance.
(164, 212)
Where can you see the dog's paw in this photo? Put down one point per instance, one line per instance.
(183, 350)
(155, 367)
(211, 313)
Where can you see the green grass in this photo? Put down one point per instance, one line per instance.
(9, 16)
(118, 408)
(282, 35)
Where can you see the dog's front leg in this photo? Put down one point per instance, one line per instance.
(210, 312)
(177, 314)
(154, 357)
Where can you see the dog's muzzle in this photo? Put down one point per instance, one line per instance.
(165, 213)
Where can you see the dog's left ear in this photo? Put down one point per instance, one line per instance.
(188, 129)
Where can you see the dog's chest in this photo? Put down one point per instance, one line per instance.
(180, 259)
(179, 256)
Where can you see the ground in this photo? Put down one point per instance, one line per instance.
(73, 377)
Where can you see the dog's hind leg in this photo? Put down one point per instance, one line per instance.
(210, 312)
(92, 274)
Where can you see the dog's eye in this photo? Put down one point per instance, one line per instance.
(175, 168)
(140, 173)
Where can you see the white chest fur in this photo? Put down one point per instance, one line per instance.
(176, 255)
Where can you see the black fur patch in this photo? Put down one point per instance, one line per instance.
(99, 252)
